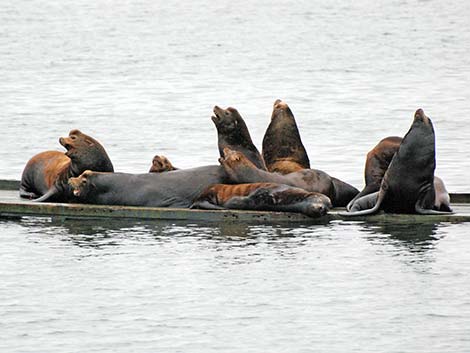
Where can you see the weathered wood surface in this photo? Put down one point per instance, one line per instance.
(12, 206)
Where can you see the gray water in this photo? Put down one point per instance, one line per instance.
(142, 77)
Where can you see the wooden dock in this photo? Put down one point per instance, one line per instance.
(11, 205)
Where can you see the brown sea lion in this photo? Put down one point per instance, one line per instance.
(177, 188)
(408, 183)
(45, 176)
(233, 133)
(377, 162)
(240, 170)
(283, 150)
(263, 197)
(161, 164)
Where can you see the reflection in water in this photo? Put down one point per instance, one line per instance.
(252, 240)
(417, 240)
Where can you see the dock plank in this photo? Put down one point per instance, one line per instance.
(11, 205)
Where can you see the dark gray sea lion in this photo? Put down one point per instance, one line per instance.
(240, 170)
(408, 183)
(45, 176)
(161, 164)
(377, 162)
(233, 133)
(176, 188)
(263, 197)
(283, 150)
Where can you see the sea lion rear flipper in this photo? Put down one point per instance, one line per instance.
(206, 205)
(28, 194)
(368, 189)
(48, 195)
(368, 201)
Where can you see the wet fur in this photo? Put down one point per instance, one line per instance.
(176, 188)
(161, 164)
(263, 196)
(283, 150)
(240, 170)
(45, 176)
(408, 183)
(233, 133)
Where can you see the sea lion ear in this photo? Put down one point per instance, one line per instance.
(221, 160)
(89, 142)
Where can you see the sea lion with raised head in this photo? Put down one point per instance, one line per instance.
(377, 162)
(283, 150)
(161, 164)
(176, 188)
(233, 133)
(263, 197)
(45, 176)
(240, 170)
(408, 185)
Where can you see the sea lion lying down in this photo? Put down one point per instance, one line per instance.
(170, 189)
(263, 197)
(240, 170)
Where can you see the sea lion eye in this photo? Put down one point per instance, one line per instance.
(73, 137)
(226, 113)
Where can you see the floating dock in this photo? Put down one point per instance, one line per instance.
(11, 205)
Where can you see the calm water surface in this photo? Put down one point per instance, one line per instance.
(142, 77)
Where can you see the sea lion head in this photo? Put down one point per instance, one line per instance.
(85, 153)
(226, 120)
(421, 117)
(231, 127)
(81, 185)
(233, 159)
(282, 111)
(161, 164)
(317, 205)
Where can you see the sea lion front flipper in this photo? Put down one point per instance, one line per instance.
(426, 211)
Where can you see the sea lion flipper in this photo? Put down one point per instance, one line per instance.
(48, 195)
(368, 200)
(368, 189)
(424, 211)
(206, 205)
(28, 194)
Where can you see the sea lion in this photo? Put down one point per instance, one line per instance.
(161, 164)
(263, 197)
(408, 183)
(177, 188)
(45, 176)
(232, 132)
(240, 170)
(283, 151)
(377, 162)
